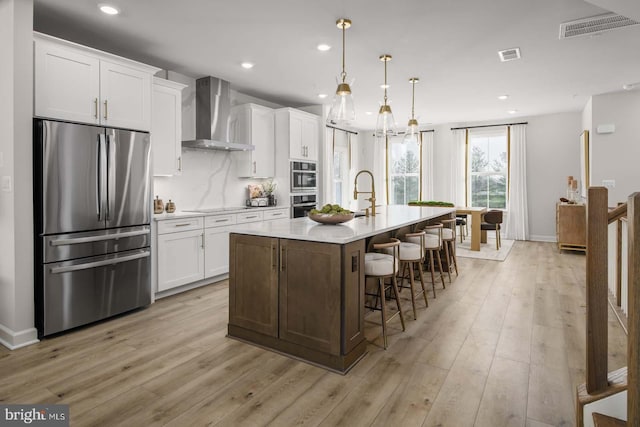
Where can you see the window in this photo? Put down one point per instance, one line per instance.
(341, 175)
(487, 168)
(404, 171)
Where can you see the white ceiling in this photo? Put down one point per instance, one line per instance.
(450, 45)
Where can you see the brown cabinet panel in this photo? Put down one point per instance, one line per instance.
(310, 283)
(353, 295)
(571, 226)
(253, 283)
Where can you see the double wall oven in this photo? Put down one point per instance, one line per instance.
(303, 188)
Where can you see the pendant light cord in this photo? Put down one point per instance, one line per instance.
(343, 74)
(385, 81)
(413, 97)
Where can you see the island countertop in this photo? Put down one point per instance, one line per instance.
(387, 218)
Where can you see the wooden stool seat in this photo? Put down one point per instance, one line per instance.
(432, 243)
(411, 254)
(382, 266)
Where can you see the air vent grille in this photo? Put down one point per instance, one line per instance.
(509, 54)
(594, 24)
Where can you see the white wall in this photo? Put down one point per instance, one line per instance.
(16, 206)
(616, 156)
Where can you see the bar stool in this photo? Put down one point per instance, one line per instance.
(382, 266)
(411, 253)
(432, 243)
(449, 242)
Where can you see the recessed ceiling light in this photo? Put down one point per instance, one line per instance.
(323, 47)
(512, 111)
(503, 97)
(368, 113)
(322, 95)
(247, 65)
(108, 9)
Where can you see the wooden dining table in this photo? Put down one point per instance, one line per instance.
(476, 220)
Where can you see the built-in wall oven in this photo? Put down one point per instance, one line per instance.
(303, 177)
(301, 204)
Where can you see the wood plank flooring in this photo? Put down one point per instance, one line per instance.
(503, 345)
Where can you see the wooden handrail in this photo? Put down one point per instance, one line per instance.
(617, 213)
(633, 339)
(597, 289)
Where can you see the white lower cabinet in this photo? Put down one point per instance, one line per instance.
(216, 242)
(180, 253)
(192, 249)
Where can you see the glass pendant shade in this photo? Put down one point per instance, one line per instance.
(412, 134)
(342, 109)
(386, 125)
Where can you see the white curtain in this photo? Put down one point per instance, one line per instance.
(327, 160)
(517, 221)
(427, 165)
(354, 162)
(379, 169)
(457, 172)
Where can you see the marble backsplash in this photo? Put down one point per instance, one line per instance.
(208, 180)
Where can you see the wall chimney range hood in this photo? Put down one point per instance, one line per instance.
(213, 117)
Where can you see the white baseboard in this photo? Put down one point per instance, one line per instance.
(190, 286)
(541, 238)
(14, 340)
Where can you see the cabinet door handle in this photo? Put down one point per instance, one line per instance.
(252, 216)
(354, 263)
(283, 254)
(222, 220)
(95, 104)
(202, 245)
(182, 225)
(105, 109)
(180, 163)
(254, 167)
(274, 257)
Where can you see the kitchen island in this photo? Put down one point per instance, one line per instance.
(297, 287)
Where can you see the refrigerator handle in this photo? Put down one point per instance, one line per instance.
(100, 167)
(110, 175)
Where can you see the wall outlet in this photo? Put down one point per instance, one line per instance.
(609, 183)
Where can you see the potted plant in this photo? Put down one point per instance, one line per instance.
(269, 188)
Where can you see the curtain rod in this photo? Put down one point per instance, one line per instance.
(344, 130)
(489, 126)
(403, 133)
(425, 131)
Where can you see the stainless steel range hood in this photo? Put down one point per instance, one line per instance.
(213, 117)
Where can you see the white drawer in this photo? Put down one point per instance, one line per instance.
(184, 224)
(219, 220)
(276, 214)
(252, 216)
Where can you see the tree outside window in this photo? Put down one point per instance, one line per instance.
(488, 170)
(404, 172)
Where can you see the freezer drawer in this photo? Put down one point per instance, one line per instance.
(82, 291)
(81, 245)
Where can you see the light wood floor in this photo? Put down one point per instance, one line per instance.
(502, 345)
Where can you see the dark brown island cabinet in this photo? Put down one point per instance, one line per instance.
(297, 288)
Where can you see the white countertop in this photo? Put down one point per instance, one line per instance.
(387, 218)
(214, 211)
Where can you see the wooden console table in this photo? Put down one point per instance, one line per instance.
(476, 220)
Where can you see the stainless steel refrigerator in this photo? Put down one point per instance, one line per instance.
(92, 201)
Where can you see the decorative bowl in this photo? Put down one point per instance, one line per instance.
(331, 218)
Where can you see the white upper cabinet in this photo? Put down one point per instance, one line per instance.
(254, 124)
(80, 84)
(301, 130)
(166, 127)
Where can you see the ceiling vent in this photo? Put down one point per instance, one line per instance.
(509, 54)
(594, 24)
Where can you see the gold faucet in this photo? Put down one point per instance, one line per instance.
(372, 199)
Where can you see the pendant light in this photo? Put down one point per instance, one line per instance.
(342, 108)
(386, 124)
(412, 135)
